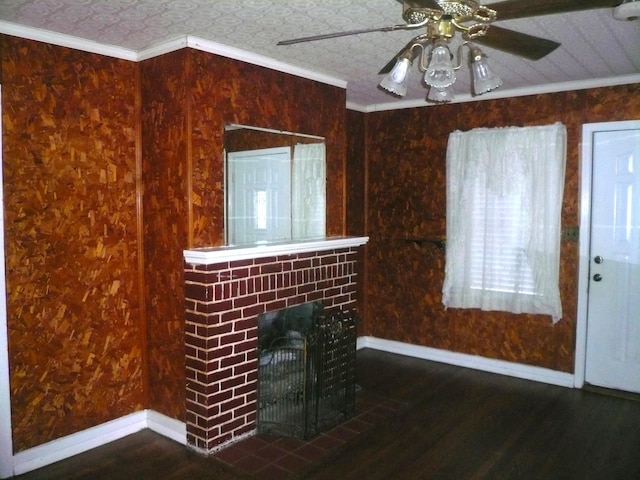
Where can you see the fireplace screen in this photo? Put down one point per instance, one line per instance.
(306, 377)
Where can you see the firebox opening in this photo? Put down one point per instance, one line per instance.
(306, 374)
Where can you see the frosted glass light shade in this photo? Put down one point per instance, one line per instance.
(440, 95)
(627, 10)
(396, 80)
(440, 72)
(484, 80)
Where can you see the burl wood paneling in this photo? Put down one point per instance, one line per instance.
(69, 157)
(165, 167)
(356, 199)
(188, 97)
(406, 195)
(355, 173)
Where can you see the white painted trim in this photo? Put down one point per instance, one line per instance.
(518, 370)
(504, 93)
(74, 444)
(167, 426)
(586, 169)
(64, 40)
(162, 48)
(79, 442)
(211, 255)
(6, 440)
(262, 61)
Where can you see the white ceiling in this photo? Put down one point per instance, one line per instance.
(596, 49)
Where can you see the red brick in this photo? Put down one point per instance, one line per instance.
(232, 426)
(244, 301)
(237, 264)
(221, 397)
(245, 324)
(271, 268)
(267, 297)
(232, 361)
(253, 310)
(246, 346)
(248, 387)
(231, 383)
(231, 338)
(243, 368)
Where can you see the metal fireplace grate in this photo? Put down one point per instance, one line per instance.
(306, 377)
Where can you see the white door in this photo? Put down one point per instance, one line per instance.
(613, 305)
(258, 196)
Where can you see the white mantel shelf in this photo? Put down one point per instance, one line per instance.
(211, 255)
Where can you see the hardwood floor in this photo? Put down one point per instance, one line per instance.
(447, 423)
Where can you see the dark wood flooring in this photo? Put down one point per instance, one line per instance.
(418, 420)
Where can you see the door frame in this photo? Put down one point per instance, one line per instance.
(586, 173)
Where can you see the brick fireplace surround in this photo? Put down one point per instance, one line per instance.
(226, 289)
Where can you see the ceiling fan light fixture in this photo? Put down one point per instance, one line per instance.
(396, 80)
(441, 72)
(440, 95)
(483, 78)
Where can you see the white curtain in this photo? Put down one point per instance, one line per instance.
(308, 191)
(504, 200)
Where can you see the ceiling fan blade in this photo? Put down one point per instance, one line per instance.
(511, 9)
(517, 43)
(341, 34)
(431, 4)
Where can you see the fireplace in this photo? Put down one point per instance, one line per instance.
(306, 370)
(226, 289)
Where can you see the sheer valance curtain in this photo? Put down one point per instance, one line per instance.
(308, 195)
(504, 201)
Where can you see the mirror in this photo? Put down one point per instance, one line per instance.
(275, 185)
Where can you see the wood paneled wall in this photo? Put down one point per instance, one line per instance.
(71, 234)
(166, 203)
(406, 199)
(188, 97)
(94, 265)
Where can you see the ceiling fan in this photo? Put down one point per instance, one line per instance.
(470, 23)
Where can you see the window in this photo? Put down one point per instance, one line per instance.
(504, 199)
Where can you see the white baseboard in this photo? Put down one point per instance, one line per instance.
(93, 437)
(167, 426)
(502, 367)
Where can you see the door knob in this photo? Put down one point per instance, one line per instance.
(598, 259)
(597, 277)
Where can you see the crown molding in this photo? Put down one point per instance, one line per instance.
(64, 40)
(162, 48)
(262, 61)
(69, 41)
